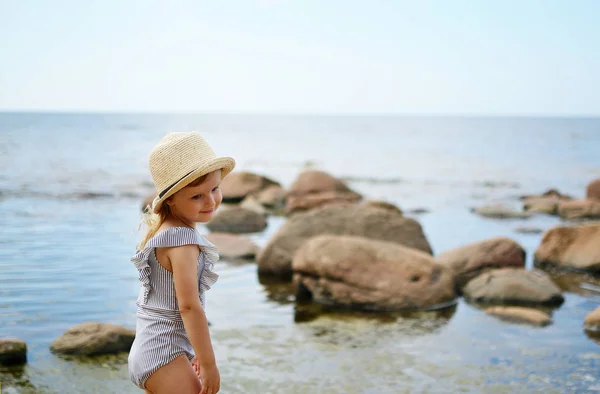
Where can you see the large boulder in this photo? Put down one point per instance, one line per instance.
(570, 247)
(313, 189)
(382, 205)
(272, 197)
(375, 223)
(12, 351)
(233, 246)
(513, 286)
(361, 273)
(237, 185)
(579, 209)
(252, 204)
(92, 339)
(237, 220)
(593, 190)
(471, 260)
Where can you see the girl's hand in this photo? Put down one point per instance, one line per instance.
(196, 366)
(210, 378)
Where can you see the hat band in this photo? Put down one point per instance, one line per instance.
(161, 194)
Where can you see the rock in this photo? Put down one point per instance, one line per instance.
(92, 339)
(237, 185)
(237, 220)
(313, 189)
(593, 190)
(520, 315)
(382, 205)
(592, 320)
(12, 351)
(550, 193)
(418, 211)
(233, 246)
(528, 230)
(317, 200)
(579, 209)
(570, 247)
(367, 274)
(500, 212)
(513, 286)
(375, 223)
(272, 197)
(471, 260)
(147, 202)
(252, 204)
(547, 205)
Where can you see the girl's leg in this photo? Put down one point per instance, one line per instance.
(178, 376)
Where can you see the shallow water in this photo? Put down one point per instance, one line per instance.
(64, 257)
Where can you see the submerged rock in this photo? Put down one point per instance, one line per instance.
(360, 273)
(238, 185)
(374, 223)
(500, 212)
(520, 315)
(513, 286)
(550, 193)
(92, 339)
(313, 189)
(471, 260)
(528, 230)
(571, 247)
(237, 220)
(233, 246)
(12, 351)
(592, 321)
(547, 205)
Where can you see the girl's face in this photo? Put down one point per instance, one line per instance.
(198, 204)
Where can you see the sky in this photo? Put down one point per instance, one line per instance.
(456, 57)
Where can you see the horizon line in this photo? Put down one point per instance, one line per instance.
(298, 113)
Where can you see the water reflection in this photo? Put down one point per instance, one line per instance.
(277, 290)
(584, 284)
(15, 379)
(594, 336)
(307, 311)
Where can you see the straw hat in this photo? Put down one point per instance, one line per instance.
(179, 159)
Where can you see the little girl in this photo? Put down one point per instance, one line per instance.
(175, 267)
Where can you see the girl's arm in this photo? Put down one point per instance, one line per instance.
(184, 262)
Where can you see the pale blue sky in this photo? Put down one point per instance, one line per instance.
(323, 56)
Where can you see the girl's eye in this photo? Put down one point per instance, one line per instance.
(197, 197)
(215, 189)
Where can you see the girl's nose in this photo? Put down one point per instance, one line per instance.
(210, 200)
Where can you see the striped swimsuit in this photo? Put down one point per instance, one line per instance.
(160, 334)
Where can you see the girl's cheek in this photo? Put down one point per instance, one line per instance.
(218, 197)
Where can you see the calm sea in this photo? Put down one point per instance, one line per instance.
(70, 192)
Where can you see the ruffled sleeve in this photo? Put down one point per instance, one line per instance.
(178, 236)
(209, 255)
(140, 260)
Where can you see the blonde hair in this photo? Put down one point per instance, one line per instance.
(153, 221)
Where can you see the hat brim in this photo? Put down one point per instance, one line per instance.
(225, 164)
